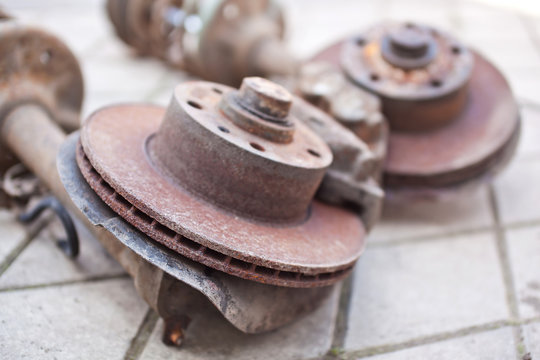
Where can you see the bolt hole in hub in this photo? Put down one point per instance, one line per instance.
(237, 183)
(195, 104)
(256, 146)
(314, 153)
(224, 129)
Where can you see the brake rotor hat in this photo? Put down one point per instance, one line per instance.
(452, 115)
(227, 178)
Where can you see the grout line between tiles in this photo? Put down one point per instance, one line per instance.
(432, 237)
(141, 338)
(32, 232)
(424, 340)
(504, 260)
(64, 283)
(341, 323)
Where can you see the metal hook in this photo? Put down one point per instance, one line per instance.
(70, 246)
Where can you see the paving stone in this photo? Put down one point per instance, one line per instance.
(42, 262)
(497, 344)
(82, 321)
(211, 337)
(518, 192)
(405, 218)
(524, 253)
(12, 234)
(403, 292)
(532, 339)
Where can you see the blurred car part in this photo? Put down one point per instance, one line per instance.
(453, 118)
(217, 40)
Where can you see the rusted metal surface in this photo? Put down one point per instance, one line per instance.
(173, 285)
(453, 120)
(221, 40)
(422, 89)
(244, 202)
(324, 85)
(351, 179)
(36, 67)
(250, 306)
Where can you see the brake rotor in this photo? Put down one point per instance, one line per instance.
(226, 178)
(452, 115)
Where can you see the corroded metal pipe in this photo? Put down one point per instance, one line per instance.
(34, 138)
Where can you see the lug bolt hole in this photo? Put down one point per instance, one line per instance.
(314, 153)
(217, 91)
(436, 83)
(45, 57)
(194, 104)
(456, 50)
(360, 41)
(374, 77)
(256, 146)
(223, 129)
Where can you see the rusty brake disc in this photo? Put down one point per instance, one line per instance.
(452, 115)
(226, 178)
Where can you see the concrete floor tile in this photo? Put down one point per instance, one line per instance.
(12, 234)
(211, 337)
(524, 254)
(83, 321)
(496, 344)
(529, 146)
(525, 82)
(406, 291)
(518, 192)
(532, 339)
(42, 262)
(405, 218)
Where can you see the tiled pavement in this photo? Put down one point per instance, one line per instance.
(455, 279)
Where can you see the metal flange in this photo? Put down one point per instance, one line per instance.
(209, 179)
(453, 118)
(36, 67)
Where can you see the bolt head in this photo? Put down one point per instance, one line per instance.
(265, 97)
(410, 40)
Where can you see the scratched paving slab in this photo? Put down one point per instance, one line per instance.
(413, 290)
(80, 321)
(524, 251)
(42, 262)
